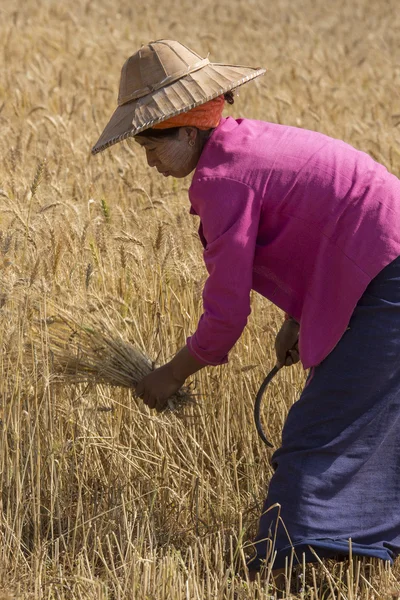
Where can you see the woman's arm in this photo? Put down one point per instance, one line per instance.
(230, 212)
(230, 215)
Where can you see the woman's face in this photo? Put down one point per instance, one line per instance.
(174, 156)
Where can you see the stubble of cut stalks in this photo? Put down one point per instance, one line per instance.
(87, 351)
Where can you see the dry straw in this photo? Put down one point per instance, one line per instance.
(89, 351)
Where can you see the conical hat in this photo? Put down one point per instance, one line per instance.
(163, 79)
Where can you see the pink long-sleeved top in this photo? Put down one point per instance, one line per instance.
(304, 219)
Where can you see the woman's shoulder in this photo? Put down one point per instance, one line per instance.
(245, 150)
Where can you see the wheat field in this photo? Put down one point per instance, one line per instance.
(100, 498)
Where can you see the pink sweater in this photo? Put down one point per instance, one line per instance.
(304, 219)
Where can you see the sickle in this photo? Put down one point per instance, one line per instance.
(257, 405)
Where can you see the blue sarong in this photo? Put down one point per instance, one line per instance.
(337, 473)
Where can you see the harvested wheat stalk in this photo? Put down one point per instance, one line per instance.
(91, 354)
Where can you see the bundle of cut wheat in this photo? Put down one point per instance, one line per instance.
(87, 352)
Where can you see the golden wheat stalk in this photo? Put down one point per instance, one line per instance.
(88, 352)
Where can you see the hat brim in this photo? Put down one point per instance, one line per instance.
(180, 96)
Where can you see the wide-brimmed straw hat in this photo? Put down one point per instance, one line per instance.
(164, 79)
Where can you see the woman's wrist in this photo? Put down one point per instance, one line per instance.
(184, 364)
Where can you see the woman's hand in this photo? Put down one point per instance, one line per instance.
(158, 386)
(287, 344)
(161, 384)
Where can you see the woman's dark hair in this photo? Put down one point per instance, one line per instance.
(230, 97)
(173, 131)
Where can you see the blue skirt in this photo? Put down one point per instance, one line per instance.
(337, 473)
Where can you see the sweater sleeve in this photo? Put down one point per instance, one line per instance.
(229, 212)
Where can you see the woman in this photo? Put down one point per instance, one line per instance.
(313, 225)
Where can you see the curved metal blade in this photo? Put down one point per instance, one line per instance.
(257, 405)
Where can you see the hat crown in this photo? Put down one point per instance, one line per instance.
(155, 65)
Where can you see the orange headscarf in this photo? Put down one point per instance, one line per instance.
(205, 116)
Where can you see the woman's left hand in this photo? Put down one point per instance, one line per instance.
(158, 386)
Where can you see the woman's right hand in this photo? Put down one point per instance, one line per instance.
(287, 344)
